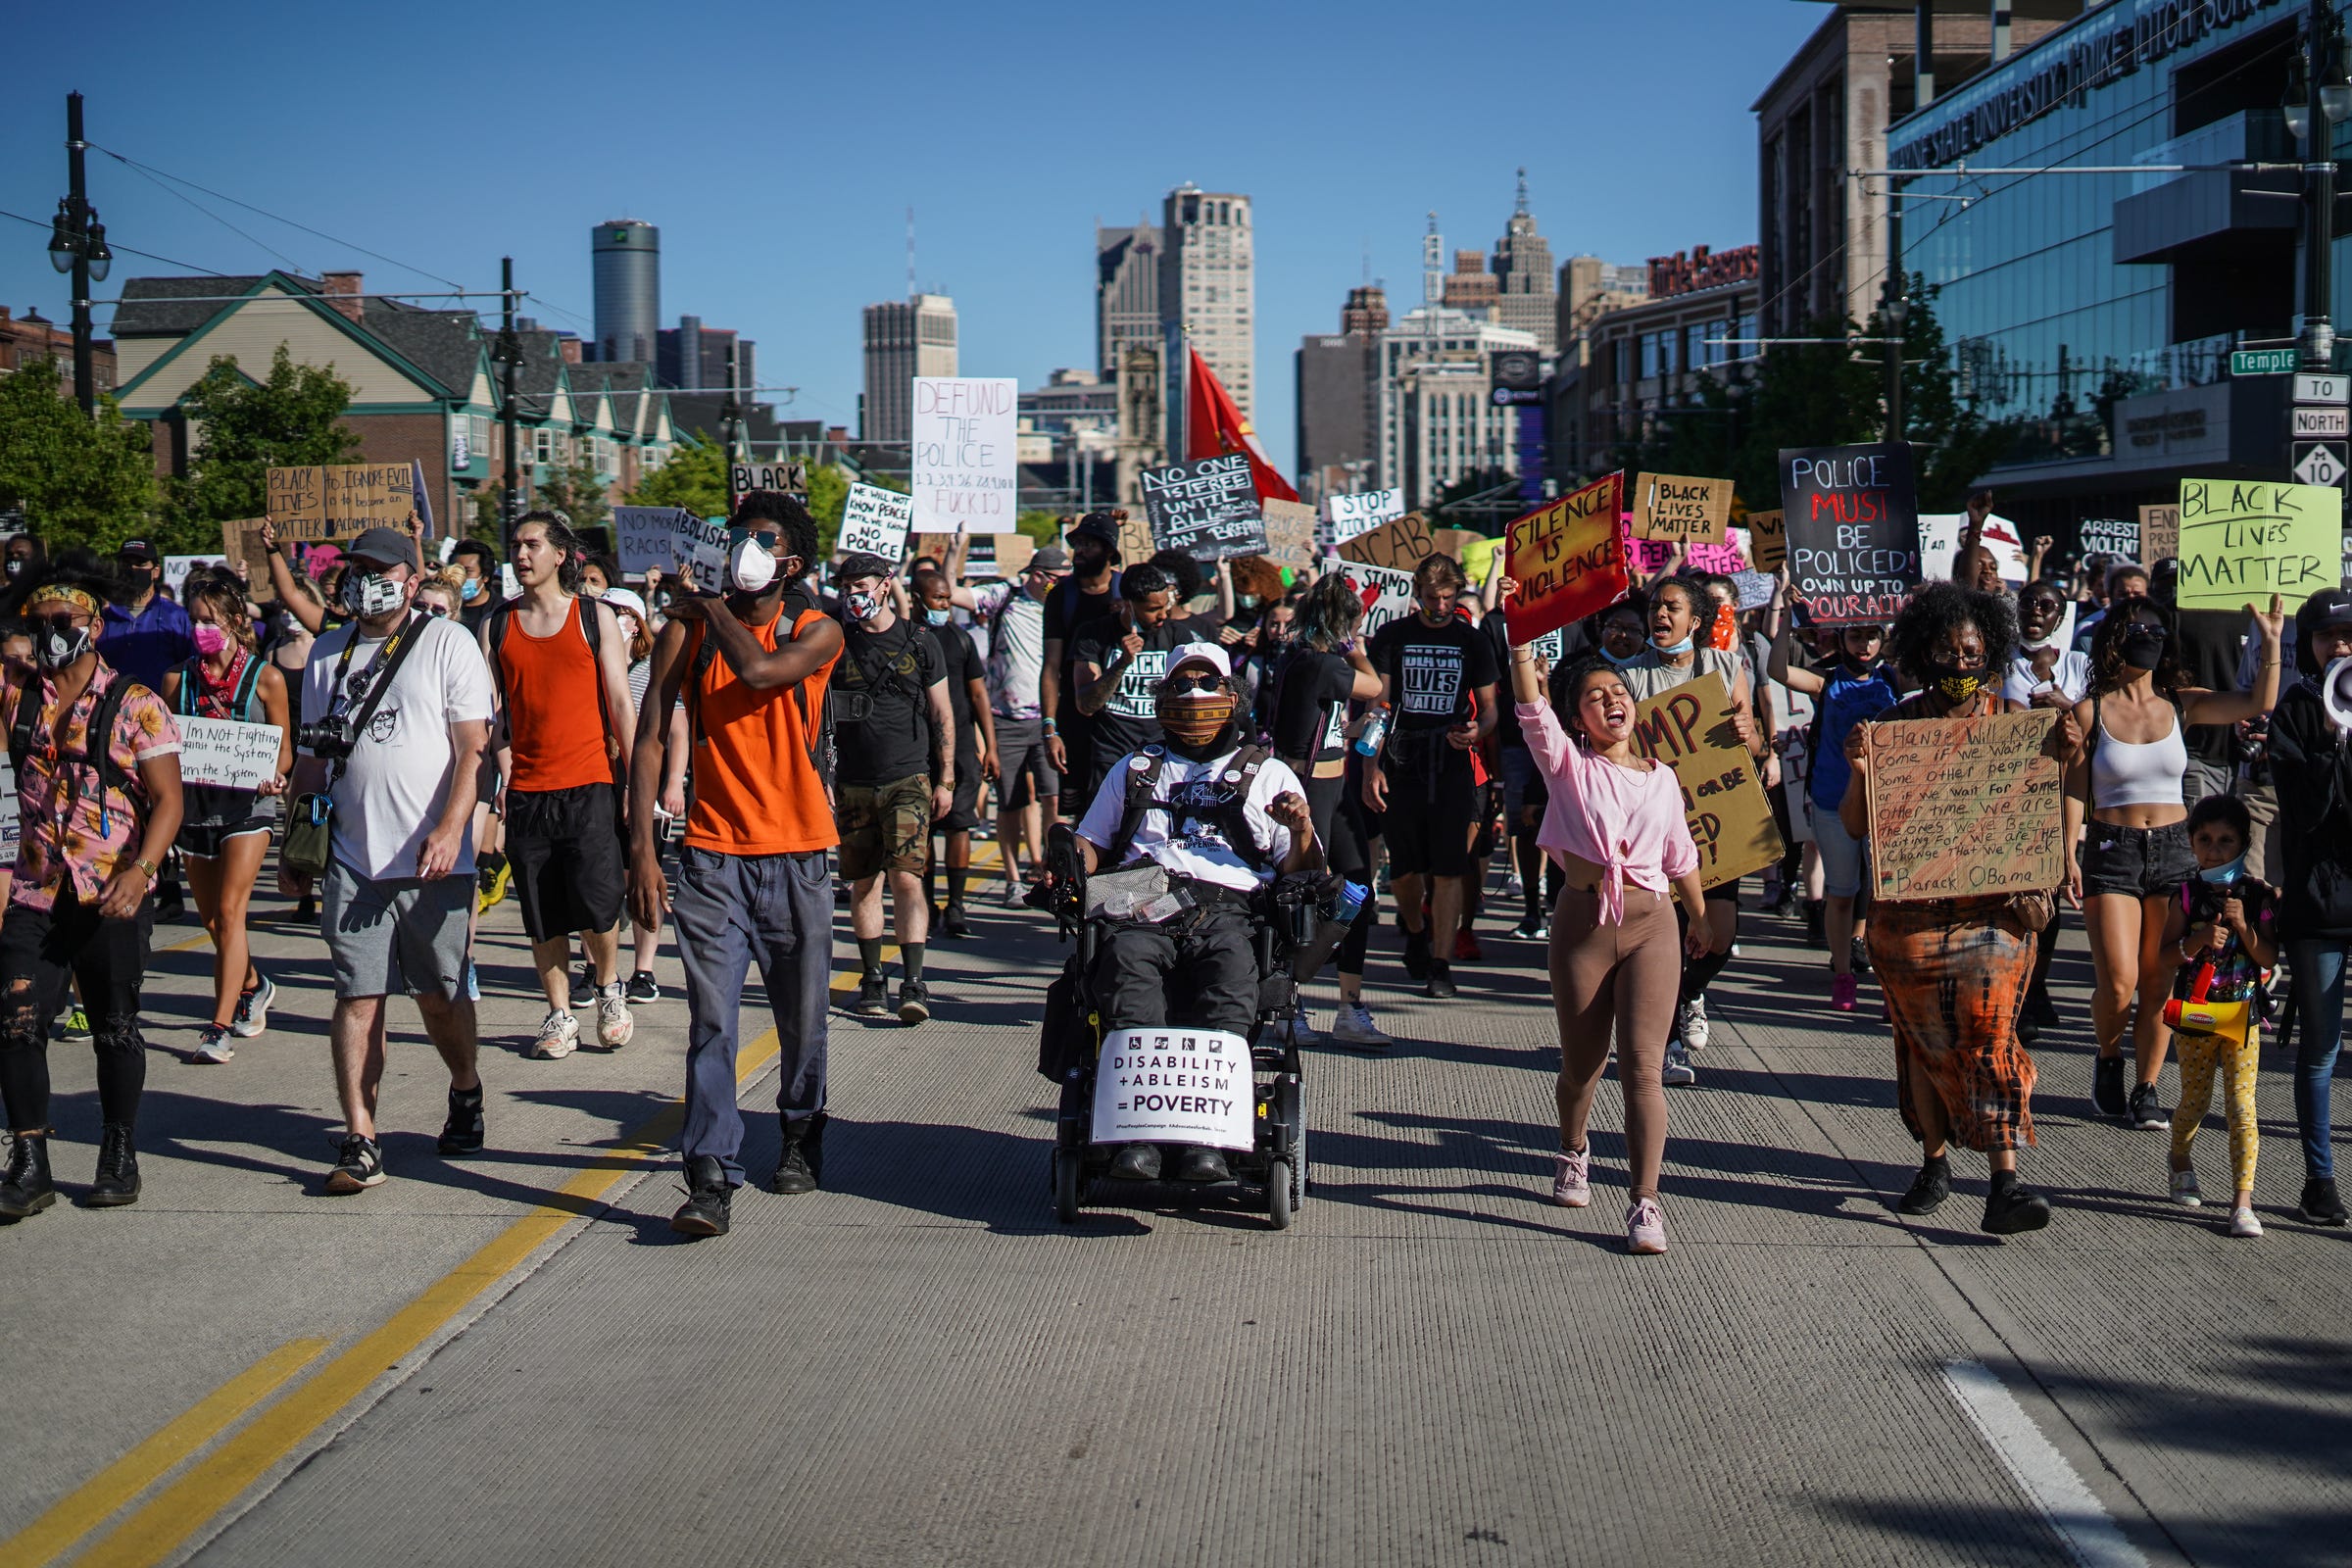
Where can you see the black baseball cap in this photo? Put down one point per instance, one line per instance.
(137, 550)
(386, 547)
(861, 564)
(2329, 607)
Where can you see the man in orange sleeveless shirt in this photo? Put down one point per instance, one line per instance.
(753, 883)
(558, 660)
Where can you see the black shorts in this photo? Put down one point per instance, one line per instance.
(964, 809)
(570, 871)
(71, 939)
(204, 841)
(1431, 810)
(2141, 862)
(1725, 892)
(1335, 804)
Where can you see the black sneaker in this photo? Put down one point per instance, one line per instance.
(914, 1002)
(2146, 1112)
(1440, 980)
(462, 1133)
(25, 1189)
(1859, 950)
(2320, 1204)
(1416, 954)
(954, 924)
(583, 989)
(873, 998)
(2012, 1208)
(1200, 1164)
(1531, 927)
(1136, 1162)
(358, 1165)
(1929, 1188)
(641, 988)
(708, 1198)
(2107, 1087)
(171, 909)
(2028, 1027)
(118, 1180)
(1817, 930)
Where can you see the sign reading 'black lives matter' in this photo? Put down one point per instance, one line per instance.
(1208, 510)
(1851, 516)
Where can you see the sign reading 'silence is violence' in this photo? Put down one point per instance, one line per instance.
(1568, 559)
(1852, 517)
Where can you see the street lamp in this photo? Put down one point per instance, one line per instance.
(78, 245)
(2318, 98)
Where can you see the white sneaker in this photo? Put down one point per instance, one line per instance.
(214, 1046)
(613, 1022)
(559, 1035)
(1353, 1026)
(1303, 1030)
(2243, 1223)
(253, 1010)
(2184, 1189)
(1678, 1069)
(1690, 1022)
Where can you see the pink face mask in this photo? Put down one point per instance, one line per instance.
(210, 639)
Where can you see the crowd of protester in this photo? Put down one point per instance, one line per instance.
(717, 765)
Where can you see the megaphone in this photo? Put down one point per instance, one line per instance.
(2335, 693)
(2197, 1016)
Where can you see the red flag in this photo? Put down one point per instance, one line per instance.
(1213, 426)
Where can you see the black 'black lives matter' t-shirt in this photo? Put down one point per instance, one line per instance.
(1310, 711)
(1129, 719)
(1431, 671)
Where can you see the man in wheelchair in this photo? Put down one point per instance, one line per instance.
(1215, 821)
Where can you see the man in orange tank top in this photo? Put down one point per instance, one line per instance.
(754, 886)
(565, 720)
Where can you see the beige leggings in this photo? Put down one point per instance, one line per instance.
(1623, 977)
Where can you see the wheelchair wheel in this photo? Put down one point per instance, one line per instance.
(1069, 1184)
(1278, 1194)
(1293, 1116)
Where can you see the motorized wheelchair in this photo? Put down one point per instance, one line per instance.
(1070, 1046)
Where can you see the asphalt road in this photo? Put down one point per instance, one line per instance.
(511, 1359)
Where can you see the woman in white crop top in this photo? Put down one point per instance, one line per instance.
(2135, 853)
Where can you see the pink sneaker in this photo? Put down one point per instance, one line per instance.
(1842, 992)
(1645, 1227)
(1572, 1180)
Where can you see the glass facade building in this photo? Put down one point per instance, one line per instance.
(2091, 315)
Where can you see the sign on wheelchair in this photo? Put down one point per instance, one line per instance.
(1175, 1086)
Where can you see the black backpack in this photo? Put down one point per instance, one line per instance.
(1231, 814)
(591, 631)
(102, 725)
(818, 726)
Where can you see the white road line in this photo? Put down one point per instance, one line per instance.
(2039, 1470)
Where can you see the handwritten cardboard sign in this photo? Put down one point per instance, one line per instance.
(1964, 807)
(2115, 537)
(1681, 510)
(647, 538)
(1208, 509)
(1689, 730)
(1768, 547)
(1386, 594)
(1852, 514)
(875, 521)
(744, 478)
(2159, 534)
(1568, 558)
(966, 476)
(1400, 543)
(178, 567)
(241, 546)
(1135, 539)
(1352, 514)
(1007, 555)
(1650, 556)
(1454, 542)
(2244, 541)
(1290, 532)
(226, 752)
(703, 548)
(339, 501)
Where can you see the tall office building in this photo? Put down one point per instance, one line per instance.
(1526, 298)
(1336, 404)
(903, 340)
(1126, 291)
(1208, 287)
(694, 358)
(1469, 286)
(629, 290)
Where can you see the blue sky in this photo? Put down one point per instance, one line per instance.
(779, 147)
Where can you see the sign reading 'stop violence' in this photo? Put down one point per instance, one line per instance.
(1208, 509)
(1852, 517)
(2242, 541)
(1568, 558)
(966, 480)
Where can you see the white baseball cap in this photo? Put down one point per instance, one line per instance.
(1211, 654)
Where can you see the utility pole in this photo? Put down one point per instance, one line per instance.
(510, 358)
(2320, 68)
(1894, 310)
(730, 413)
(78, 245)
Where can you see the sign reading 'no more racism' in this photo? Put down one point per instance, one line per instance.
(1852, 517)
(1208, 509)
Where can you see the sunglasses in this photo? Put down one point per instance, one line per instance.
(1205, 681)
(435, 610)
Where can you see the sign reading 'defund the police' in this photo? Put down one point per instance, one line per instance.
(1174, 1085)
(1852, 514)
(965, 479)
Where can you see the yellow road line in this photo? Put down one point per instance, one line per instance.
(175, 1513)
(89, 1505)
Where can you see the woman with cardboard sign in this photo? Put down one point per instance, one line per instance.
(1954, 969)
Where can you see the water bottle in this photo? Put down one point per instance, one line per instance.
(1375, 729)
(1349, 901)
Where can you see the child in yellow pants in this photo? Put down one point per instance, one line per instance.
(2221, 929)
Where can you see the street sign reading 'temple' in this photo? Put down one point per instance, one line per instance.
(2262, 362)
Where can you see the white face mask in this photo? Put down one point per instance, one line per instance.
(751, 568)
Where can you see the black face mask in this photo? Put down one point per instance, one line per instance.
(2143, 647)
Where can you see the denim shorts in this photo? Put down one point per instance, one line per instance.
(1844, 859)
(2140, 862)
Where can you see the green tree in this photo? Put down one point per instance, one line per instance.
(695, 477)
(1044, 528)
(243, 428)
(828, 497)
(578, 491)
(77, 482)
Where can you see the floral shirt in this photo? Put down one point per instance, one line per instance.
(65, 830)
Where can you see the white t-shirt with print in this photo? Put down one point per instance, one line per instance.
(2070, 674)
(1195, 846)
(392, 790)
